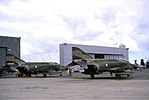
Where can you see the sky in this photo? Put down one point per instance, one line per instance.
(44, 24)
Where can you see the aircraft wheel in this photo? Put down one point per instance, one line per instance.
(29, 75)
(118, 76)
(44, 75)
(19, 75)
(92, 76)
(111, 74)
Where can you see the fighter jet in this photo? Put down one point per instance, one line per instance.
(91, 66)
(35, 68)
(30, 68)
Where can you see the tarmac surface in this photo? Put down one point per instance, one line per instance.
(77, 86)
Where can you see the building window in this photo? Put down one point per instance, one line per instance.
(99, 56)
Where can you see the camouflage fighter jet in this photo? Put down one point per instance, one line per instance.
(91, 66)
(38, 68)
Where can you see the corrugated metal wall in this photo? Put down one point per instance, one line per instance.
(3, 51)
(11, 45)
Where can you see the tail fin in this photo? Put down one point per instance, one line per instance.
(77, 53)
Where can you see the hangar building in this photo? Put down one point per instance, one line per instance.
(9, 49)
(99, 52)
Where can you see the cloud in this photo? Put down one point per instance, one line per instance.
(43, 25)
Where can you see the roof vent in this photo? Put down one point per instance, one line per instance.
(122, 46)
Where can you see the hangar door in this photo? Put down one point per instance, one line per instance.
(3, 51)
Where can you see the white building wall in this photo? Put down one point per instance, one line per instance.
(65, 54)
(109, 52)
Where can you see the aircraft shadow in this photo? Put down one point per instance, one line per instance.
(105, 78)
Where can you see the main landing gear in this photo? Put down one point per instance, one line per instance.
(92, 76)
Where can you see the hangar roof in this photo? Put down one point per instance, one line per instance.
(99, 49)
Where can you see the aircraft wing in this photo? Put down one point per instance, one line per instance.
(118, 71)
(127, 72)
(114, 69)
